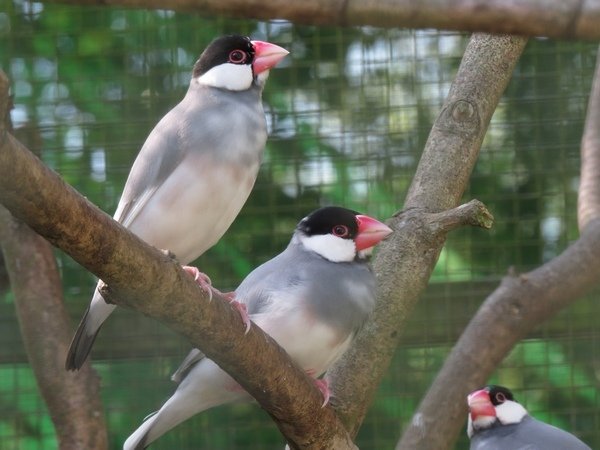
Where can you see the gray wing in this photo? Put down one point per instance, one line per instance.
(256, 290)
(193, 357)
(530, 434)
(547, 436)
(159, 156)
(196, 124)
(341, 294)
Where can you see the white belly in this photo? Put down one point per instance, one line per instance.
(194, 207)
(312, 344)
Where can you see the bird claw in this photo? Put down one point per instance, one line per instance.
(202, 279)
(241, 308)
(206, 284)
(322, 385)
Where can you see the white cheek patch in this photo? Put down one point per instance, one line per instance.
(233, 77)
(510, 412)
(330, 247)
(506, 413)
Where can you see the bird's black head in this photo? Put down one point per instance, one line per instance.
(339, 234)
(335, 220)
(232, 49)
(498, 394)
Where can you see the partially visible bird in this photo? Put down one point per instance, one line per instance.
(197, 166)
(498, 422)
(312, 299)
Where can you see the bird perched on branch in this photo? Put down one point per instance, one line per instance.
(312, 299)
(197, 166)
(498, 422)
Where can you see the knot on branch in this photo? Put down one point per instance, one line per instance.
(460, 117)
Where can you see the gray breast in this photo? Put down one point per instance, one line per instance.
(530, 434)
(345, 294)
(229, 125)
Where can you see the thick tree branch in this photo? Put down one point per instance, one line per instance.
(588, 201)
(73, 400)
(555, 18)
(141, 277)
(518, 305)
(407, 258)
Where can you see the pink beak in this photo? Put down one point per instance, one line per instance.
(480, 404)
(266, 56)
(370, 232)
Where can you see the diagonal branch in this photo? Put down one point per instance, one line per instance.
(554, 18)
(518, 305)
(141, 277)
(405, 261)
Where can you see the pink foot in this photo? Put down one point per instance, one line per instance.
(230, 296)
(241, 308)
(204, 281)
(322, 385)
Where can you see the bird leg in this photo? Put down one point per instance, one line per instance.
(206, 284)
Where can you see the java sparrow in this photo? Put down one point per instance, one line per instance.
(497, 422)
(197, 166)
(312, 299)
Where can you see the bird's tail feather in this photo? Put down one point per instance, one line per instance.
(205, 386)
(138, 440)
(88, 329)
(172, 413)
(81, 345)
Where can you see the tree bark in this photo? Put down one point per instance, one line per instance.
(403, 265)
(73, 400)
(519, 304)
(554, 18)
(149, 281)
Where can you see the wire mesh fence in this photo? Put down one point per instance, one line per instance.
(349, 113)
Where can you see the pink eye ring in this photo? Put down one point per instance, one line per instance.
(237, 57)
(340, 231)
(500, 398)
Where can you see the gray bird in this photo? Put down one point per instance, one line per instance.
(197, 166)
(498, 422)
(312, 299)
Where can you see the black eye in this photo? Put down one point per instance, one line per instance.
(340, 230)
(237, 57)
(500, 397)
